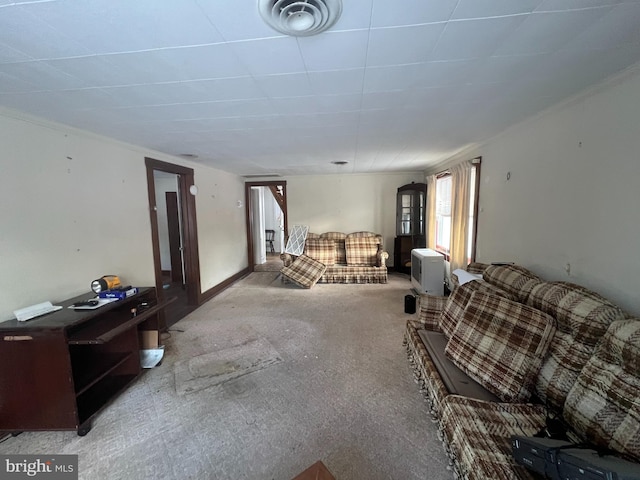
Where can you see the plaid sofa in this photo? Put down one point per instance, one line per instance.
(533, 349)
(356, 257)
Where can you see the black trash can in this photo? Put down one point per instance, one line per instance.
(409, 304)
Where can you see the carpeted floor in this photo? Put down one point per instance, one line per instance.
(341, 392)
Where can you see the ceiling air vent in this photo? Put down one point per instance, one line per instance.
(300, 17)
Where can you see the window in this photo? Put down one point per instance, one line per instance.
(444, 200)
(443, 213)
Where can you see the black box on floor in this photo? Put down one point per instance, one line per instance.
(409, 304)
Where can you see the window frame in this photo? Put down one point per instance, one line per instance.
(476, 162)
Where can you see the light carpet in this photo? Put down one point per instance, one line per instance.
(210, 369)
(342, 393)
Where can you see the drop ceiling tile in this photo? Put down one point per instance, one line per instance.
(203, 110)
(141, 67)
(378, 100)
(475, 38)
(387, 79)
(53, 104)
(492, 8)
(548, 32)
(237, 20)
(204, 62)
(356, 14)
(270, 56)
(104, 26)
(419, 75)
(618, 27)
(96, 71)
(41, 76)
(338, 103)
(11, 55)
(287, 85)
(240, 88)
(348, 50)
(24, 32)
(295, 105)
(337, 82)
(400, 45)
(411, 12)
(10, 84)
(509, 68)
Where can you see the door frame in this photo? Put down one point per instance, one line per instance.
(189, 227)
(249, 214)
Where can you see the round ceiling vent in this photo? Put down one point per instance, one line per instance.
(300, 17)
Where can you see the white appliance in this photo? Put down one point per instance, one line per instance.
(427, 271)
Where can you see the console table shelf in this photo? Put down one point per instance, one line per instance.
(59, 370)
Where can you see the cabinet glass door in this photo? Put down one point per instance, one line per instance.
(410, 214)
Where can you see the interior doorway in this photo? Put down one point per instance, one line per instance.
(174, 237)
(266, 209)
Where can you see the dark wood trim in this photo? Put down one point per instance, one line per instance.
(249, 213)
(190, 231)
(213, 291)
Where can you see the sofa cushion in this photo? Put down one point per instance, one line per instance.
(582, 318)
(321, 249)
(603, 406)
(304, 271)
(338, 238)
(362, 251)
(516, 280)
(500, 344)
(457, 303)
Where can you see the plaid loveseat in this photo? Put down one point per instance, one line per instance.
(356, 257)
(520, 349)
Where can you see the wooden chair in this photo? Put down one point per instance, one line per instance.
(269, 237)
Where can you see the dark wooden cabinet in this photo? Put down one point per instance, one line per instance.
(57, 371)
(411, 207)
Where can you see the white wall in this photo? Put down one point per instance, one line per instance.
(574, 194)
(348, 203)
(74, 206)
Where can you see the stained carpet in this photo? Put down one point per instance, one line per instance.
(343, 393)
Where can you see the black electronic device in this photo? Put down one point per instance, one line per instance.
(409, 304)
(532, 453)
(562, 460)
(86, 303)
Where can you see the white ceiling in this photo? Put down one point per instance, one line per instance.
(394, 85)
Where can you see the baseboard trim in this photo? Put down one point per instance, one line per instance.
(222, 286)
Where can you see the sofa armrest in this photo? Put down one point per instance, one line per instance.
(477, 267)
(431, 307)
(382, 258)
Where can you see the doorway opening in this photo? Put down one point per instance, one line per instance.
(174, 238)
(266, 211)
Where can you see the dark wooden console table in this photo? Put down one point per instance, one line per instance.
(57, 371)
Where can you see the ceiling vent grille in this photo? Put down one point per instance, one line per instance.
(300, 18)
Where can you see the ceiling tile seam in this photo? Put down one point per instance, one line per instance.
(356, 149)
(580, 9)
(233, 117)
(129, 52)
(127, 85)
(28, 2)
